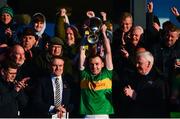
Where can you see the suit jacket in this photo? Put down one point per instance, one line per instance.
(44, 96)
(10, 100)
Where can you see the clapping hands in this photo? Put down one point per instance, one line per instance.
(19, 85)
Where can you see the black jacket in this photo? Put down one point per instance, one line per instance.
(10, 100)
(150, 98)
(164, 57)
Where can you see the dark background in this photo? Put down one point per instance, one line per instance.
(79, 7)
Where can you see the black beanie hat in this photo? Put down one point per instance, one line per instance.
(29, 31)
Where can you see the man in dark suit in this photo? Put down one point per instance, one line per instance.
(12, 97)
(46, 95)
(145, 89)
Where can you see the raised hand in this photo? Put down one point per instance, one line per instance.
(150, 7)
(104, 15)
(103, 28)
(90, 14)
(175, 11)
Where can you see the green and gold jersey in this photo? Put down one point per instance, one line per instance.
(96, 92)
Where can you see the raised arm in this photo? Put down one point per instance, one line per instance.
(104, 16)
(149, 17)
(175, 12)
(61, 22)
(107, 48)
(82, 58)
(150, 7)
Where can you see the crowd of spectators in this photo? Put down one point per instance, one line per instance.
(91, 71)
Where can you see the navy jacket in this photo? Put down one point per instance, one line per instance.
(44, 96)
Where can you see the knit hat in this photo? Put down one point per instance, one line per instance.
(7, 9)
(56, 41)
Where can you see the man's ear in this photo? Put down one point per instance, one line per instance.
(149, 63)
